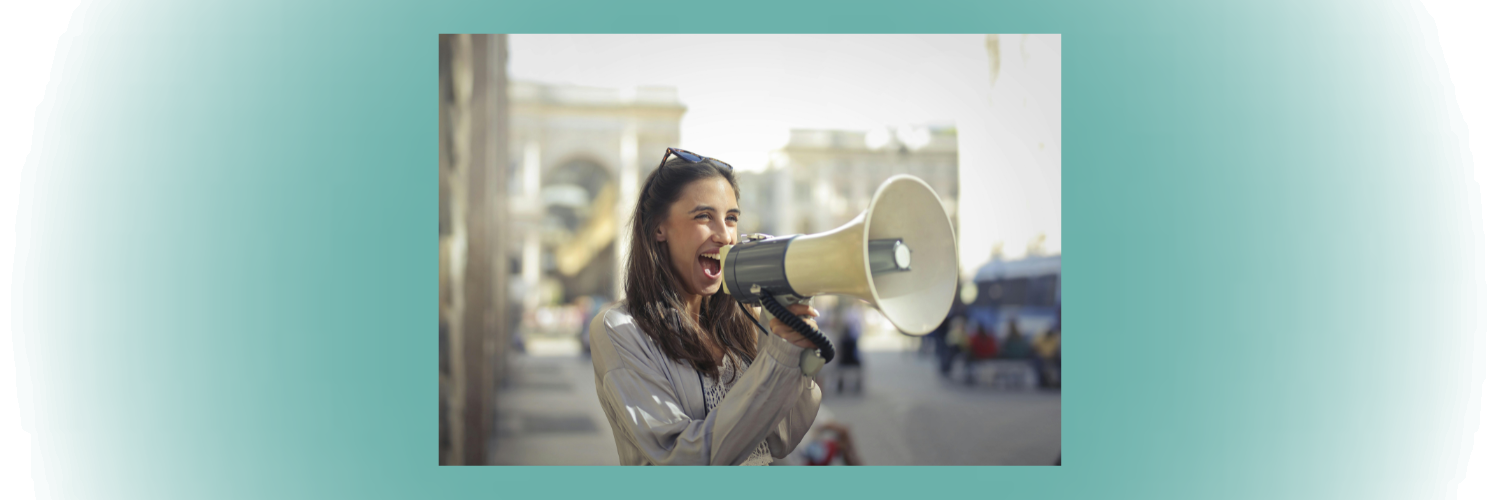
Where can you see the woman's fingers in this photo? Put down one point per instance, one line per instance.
(802, 310)
(786, 332)
(791, 335)
(807, 313)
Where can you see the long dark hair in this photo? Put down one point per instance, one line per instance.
(652, 293)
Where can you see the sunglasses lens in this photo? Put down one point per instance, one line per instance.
(689, 156)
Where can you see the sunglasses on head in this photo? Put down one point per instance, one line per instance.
(691, 157)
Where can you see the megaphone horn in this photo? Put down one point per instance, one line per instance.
(898, 255)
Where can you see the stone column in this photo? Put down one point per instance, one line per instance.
(472, 260)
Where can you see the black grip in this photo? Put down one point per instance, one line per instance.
(825, 348)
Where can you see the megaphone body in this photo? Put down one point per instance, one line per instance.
(898, 255)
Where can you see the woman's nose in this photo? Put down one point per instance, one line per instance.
(721, 234)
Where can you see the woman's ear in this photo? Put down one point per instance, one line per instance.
(661, 234)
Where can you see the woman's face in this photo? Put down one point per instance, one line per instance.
(703, 219)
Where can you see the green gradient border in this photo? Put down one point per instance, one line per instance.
(225, 252)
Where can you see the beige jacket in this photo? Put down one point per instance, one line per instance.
(656, 406)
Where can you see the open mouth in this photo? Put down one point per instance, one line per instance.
(709, 264)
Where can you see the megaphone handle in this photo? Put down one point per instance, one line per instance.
(787, 300)
(825, 348)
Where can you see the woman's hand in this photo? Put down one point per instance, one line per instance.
(786, 332)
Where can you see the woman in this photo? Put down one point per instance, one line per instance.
(682, 372)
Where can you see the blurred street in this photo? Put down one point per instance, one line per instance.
(549, 414)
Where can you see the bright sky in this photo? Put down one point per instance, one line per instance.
(744, 92)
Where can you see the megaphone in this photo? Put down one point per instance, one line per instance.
(898, 255)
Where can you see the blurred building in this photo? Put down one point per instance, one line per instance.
(823, 178)
(577, 156)
(472, 266)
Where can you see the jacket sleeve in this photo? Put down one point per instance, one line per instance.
(789, 432)
(637, 397)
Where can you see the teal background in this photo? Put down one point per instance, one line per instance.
(225, 264)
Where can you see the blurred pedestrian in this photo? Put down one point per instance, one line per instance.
(1048, 356)
(851, 325)
(982, 345)
(952, 337)
(1014, 345)
(588, 306)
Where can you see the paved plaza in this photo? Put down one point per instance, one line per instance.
(549, 414)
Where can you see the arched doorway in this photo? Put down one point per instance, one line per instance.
(579, 227)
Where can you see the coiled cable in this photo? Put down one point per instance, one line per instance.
(825, 348)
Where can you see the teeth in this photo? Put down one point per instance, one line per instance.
(713, 256)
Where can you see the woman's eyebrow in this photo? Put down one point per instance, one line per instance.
(701, 208)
